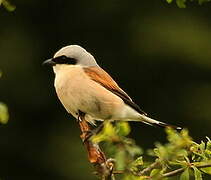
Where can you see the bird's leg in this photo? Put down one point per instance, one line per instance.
(88, 133)
(85, 129)
(96, 156)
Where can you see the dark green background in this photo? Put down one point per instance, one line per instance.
(159, 54)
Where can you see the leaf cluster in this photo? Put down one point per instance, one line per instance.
(182, 3)
(117, 145)
(180, 156)
(4, 115)
(7, 5)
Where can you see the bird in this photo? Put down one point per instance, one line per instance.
(83, 86)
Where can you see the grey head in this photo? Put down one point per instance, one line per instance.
(72, 55)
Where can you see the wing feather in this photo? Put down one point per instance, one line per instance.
(100, 76)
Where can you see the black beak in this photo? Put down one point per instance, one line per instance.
(49, 62)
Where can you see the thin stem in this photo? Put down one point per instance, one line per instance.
(174, 173)
(180, 170)
(204, 165)
(154, 165)
(171, 173)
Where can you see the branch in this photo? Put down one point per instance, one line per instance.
(171, 173)
(154, 165)
(204, 165)
(177, 171)
(103, 166)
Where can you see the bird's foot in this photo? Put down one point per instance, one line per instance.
(81, 115)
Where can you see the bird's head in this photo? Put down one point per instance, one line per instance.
(72, 55)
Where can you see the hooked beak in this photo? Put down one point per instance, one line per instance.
(49, 62)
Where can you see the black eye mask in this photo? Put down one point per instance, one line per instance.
(64, 60)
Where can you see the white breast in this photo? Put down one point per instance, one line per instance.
(69, 84)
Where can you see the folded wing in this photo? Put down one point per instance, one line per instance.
(100, 76)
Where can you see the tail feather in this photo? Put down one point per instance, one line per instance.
(153, 122)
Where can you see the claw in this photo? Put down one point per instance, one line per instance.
(80, 115)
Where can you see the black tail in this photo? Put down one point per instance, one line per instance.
(154, 122)
(164, 125)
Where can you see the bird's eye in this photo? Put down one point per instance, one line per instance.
(64, 60)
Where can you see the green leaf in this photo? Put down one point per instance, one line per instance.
(206, 170)
(155, 172)
(134, 150)
(197, 173)
(185, 175)
(8, 5)
(208, 144)
(109, 129)
(138, 162)
(202, 146)
(150, 152)
(4, 115)
(169, 1)
(132, 177)
(107, 133)
(120, 158)
(166, 178)
(181, 3)
(123, 128)
(135, 165)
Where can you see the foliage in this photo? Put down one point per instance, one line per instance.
(181, 156)
(4, 116)
(182, 3)
(7, 5)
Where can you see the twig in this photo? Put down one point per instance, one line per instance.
(180, 170)
(154, 165)
(103, 166)
(173, 173)
(204, 165)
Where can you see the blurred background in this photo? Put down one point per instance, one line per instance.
(158, 53)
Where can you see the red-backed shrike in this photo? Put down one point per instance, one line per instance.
(83, 86)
